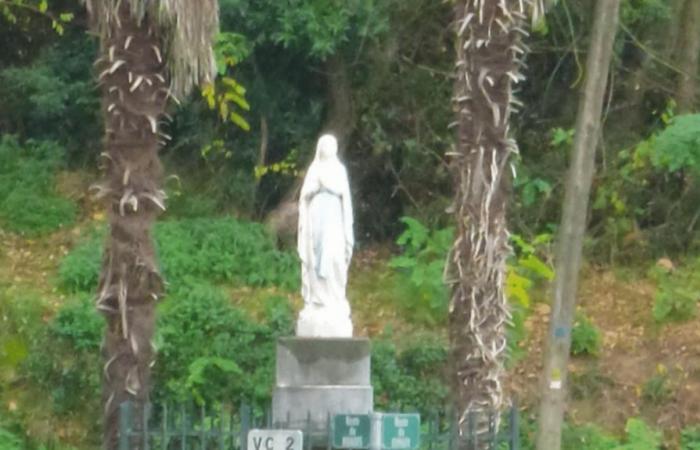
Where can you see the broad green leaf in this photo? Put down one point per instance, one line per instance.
(240, 121)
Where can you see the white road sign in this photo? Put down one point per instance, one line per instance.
(275, 440)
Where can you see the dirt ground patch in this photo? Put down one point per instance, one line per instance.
(643, 369)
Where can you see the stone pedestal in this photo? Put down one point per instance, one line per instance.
(319, 377)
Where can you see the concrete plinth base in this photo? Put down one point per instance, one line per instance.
(318, 378)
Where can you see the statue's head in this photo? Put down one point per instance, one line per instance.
(327, 148)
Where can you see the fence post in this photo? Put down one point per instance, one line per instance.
(514, 426)
(431, 433)
(329, 430)
(203, 426)
(183, 430)
(144, 426)
(308, 430)
(124, 425)
(222, 427)
(164, 426)
(473, 442)
(245, 426)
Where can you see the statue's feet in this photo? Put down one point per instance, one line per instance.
(323, 322)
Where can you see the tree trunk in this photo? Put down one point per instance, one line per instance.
(573, 224)
(339, 121)
(340, 118)
(134, 96)
(689, 54)
(488, 35)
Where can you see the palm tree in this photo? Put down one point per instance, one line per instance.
(489, 56)
(151, 51)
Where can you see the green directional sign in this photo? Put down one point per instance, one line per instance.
(400, 431)
(351, 431)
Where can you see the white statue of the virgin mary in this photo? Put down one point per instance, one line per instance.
(325, 244)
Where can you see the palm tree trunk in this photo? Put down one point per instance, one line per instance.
(488, 51)
(134, 96)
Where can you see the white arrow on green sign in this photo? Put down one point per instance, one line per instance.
(400, 431)
(351, 431)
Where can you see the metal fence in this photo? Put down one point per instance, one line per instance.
(189, 427)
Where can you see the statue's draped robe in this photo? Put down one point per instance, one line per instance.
(325, 247)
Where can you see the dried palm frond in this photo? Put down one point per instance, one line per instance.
(186, 29)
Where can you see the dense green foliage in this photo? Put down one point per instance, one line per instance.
(28, 201)
(392, 60)
(208, 350)
(647, 206)
(220, 249)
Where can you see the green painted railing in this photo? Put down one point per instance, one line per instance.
(188, 427)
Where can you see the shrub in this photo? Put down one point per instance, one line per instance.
(678, 293)
(207, 349)
(525, 270)
(589, 383)
(424, 295)
(587, 437)
(21, 312)
(10, 441)
(423, 292)
(79, 269)
(657, 389)
(690, 439)
(65, 358)
(413, 378)
(22, 323)
(192, 205)
(35, 213)
(211, 350)
(677, 146)
(52, 94)
(222, 249)
(640, 436)
(585, 337)
(645, 206)
(28, 202)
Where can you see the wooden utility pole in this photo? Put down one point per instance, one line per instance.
(573, 224)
